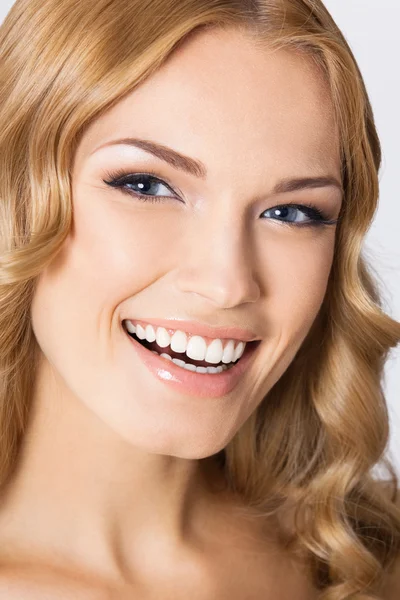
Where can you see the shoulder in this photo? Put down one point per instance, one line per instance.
(40, 584)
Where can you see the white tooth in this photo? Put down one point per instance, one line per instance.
(239, 350)
(212, 370)
(201, 370)
(228, 352)
(219, 369)
(162, 337)
(196, 348)
(214, 352)
(189, 367)
(179, 341)
(167, 356)
(130, 327)
(150, 333)
(140, 332)
(178, 362)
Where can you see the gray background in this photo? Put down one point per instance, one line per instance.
(371, 29)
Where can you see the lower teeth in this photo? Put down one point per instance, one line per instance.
(191, 367)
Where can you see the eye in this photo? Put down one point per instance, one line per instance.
(144, 186)
(300, 215)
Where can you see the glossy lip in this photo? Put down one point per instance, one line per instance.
(197, 328)
(203, 385)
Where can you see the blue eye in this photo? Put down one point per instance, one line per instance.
(146, 184)
(300, 215)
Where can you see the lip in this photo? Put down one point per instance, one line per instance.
(202, 385)
(197, 328)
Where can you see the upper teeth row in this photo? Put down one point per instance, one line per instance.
(195, 346)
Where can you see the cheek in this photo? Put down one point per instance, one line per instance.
(118, 246)
(111, 253)
(297, 273)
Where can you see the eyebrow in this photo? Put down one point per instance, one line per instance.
(198, 169)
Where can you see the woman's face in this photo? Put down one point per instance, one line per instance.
(220, 248)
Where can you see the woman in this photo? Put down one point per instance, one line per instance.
(192, 343)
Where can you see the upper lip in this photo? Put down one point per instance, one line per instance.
(197, 328)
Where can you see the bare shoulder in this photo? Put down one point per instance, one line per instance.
(17, 583)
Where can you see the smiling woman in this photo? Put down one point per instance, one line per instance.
(191, 340)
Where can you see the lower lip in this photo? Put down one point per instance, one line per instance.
(204, 385)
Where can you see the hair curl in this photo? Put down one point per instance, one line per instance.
(310, 447)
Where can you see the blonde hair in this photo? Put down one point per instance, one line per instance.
(313, 441)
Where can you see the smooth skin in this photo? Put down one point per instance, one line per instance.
(110, 499)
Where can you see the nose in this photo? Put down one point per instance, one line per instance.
(218, 264)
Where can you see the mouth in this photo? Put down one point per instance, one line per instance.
(182, 360)
(194, 377)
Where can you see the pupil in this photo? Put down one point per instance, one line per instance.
(282, 212)
(146, 187)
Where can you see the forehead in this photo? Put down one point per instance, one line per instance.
(219, 97)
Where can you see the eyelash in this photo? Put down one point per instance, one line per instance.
(119, 179)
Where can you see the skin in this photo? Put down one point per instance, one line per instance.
(110, 491)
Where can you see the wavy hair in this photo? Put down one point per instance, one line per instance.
(310, 447)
